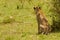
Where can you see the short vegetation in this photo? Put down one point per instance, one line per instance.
(18, 19)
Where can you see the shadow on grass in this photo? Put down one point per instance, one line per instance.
(56, 26)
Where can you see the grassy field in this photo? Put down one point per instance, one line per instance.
(22, 25)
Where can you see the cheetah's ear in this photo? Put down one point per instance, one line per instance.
(34, 7)
(39, 7)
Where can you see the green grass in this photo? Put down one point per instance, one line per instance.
(23, 24)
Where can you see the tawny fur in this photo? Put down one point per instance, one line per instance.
(43, 26)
